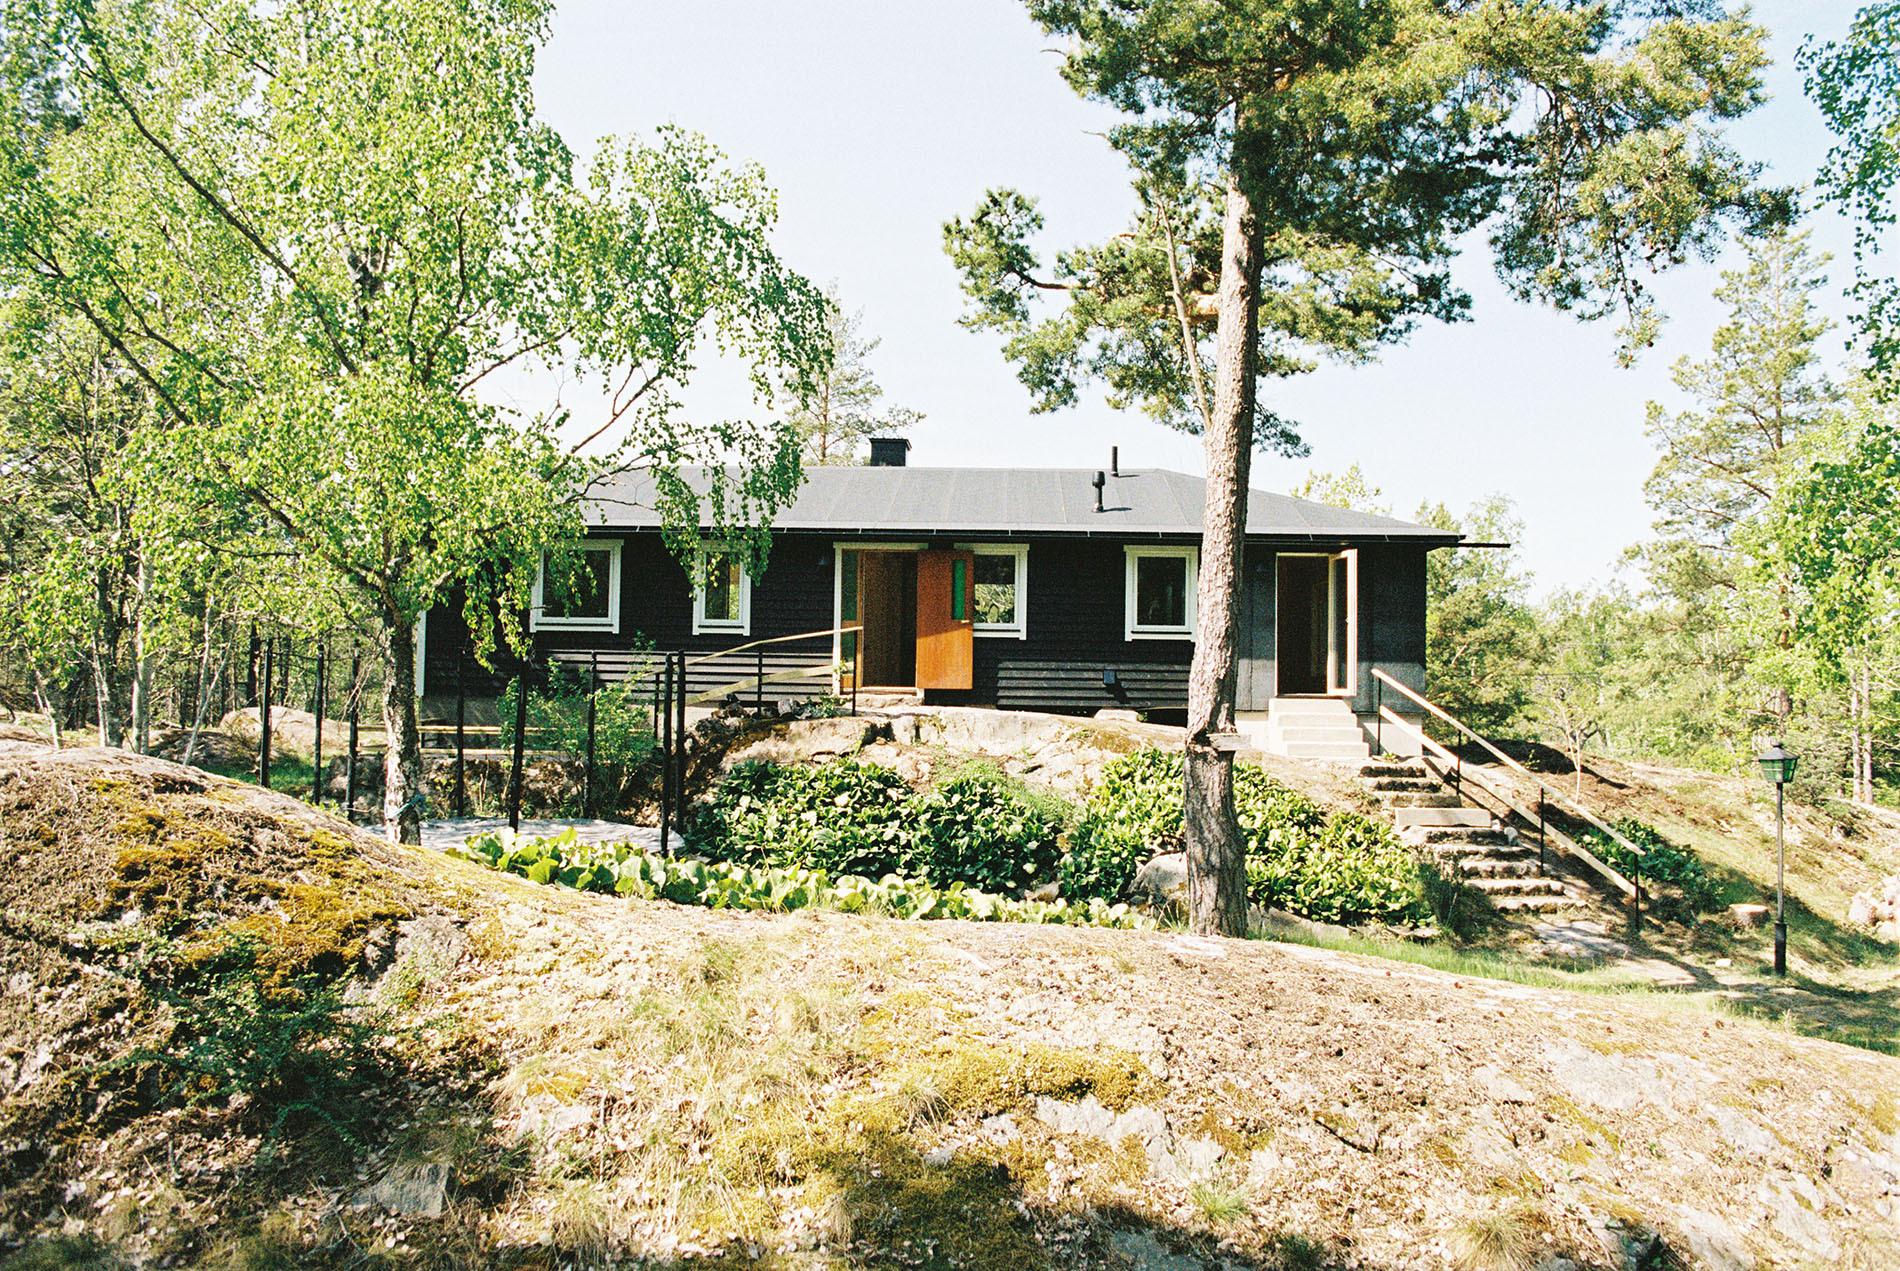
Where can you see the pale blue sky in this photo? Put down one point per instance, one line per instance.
(878, 121)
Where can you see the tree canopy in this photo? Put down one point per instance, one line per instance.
(312, 232)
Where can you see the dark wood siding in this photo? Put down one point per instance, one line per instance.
(1074, 626)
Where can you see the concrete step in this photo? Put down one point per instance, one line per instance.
(1461, 838)
(1476, 867)
(1338, 751)
(1494, 845)
(1314, 732)
(1473, 818)
(1325, 706)
(1532, 904)
(1523, 885)
(1404, 783)
(1415, 799)
(1403, 768)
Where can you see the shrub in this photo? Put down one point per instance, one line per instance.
(1133, 811)
(1662, 862)
(623, 870)
(557, 720)
(1337, 867)
(845, 817)
(980, 828)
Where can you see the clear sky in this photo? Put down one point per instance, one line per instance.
(877, 121)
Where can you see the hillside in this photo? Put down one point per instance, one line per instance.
(537, 1077)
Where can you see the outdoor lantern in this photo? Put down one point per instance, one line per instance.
(1776, 764)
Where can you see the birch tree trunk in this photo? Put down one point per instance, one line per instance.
(402, 740)
(1216, 853)
(142, 659)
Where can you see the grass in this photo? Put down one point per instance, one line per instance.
(1477, 964)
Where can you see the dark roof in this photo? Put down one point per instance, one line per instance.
(1149, 502)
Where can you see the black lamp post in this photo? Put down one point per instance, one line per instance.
(1778, 766)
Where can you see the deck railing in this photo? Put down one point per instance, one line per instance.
(1453, 764)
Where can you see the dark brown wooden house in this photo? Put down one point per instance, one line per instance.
(1021, 588)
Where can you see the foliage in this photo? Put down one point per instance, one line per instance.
(1662, 861)
(311, 232)
(824, 706)
(1481, 634)
(1335, 867)
(623, 870)
(1856, 83)
(1133, 812)
(294, 1052)
(982, 829)
(844, 817)
(557, 720)
(976, 827)
(844, 409)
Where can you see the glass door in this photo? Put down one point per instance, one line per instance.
(1342, 622)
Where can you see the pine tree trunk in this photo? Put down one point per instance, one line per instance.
(402, 754)
(1216, 853)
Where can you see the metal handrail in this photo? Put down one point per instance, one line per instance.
(1575, 808)
(758, 644)
(1544, 828)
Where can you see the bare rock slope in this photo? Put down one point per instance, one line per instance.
(522, 1075)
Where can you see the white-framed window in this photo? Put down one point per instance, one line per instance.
(1001, 588)
(722, 592)
(1159, 593)
(585, 597)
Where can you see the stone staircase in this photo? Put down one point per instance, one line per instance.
(1466, 842)
(1311, 728)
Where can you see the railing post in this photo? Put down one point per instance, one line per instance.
(461, 737)
(1542, 836)
(666, 758)
(587, 772)
(316, 755)
(521, 732)
(263, 720)
(1378, 714)
(349, 763)
(758, 693)
(1636, 891)
(679, 738)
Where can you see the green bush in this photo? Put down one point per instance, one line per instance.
(1662, 861)
(980, 828)
(557, 721)
(1133, 811)
(846, 817)
(1338, 867)
(623, 870)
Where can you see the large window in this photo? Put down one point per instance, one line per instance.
(1159, 590)
(1002, 590)
(722, 594)
(580, 593)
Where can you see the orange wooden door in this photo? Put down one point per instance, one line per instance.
(946, 621)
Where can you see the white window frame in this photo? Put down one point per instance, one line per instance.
(541, 621)
(702, 625)
(1131, 630)
(1019, 629)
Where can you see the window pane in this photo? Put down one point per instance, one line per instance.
(996, 589)
(579, 589)
(722, 589)
(959, 590)
(1160, 591)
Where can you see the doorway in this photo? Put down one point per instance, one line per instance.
(914, 612)
(887, 606)
(1316, 605)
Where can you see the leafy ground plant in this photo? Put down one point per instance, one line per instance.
(1335, 867)
(1662, 862)
(624, 870)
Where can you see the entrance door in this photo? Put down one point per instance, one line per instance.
(946, 621)
(1317, 614)
(886, 591)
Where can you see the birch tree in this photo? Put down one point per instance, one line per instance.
(1306, 170)
(314, 230)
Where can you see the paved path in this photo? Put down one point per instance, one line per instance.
(456, 831)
